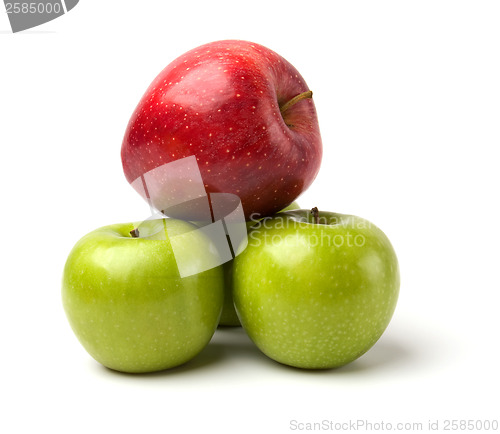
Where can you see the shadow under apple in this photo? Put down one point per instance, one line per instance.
(383, 355)
(233, 344)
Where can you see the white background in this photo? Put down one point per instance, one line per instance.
(408, 98)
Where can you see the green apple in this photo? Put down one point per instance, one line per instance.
(127, 303)
(229, 316)
(315, 289)
(292, 206)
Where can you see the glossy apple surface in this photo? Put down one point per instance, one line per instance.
(315, 295)
(226, 103)
(229, 316)
(128, 305)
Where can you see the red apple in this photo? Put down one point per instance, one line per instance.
(243, 111)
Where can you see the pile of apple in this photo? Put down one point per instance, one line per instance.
(312, 289)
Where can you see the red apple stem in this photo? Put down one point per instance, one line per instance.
(295, 100)
(134, 233)
(315, 213)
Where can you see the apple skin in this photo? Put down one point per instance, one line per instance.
(128, 305)
(221, 103)
(229, 317)
(306, 300)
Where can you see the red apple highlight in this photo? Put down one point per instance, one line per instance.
(243, 111)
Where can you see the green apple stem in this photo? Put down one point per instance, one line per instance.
(134, 233)
(295, 100)
(315, 213)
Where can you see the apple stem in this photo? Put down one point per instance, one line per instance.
(295, 100)
(315, 213)
(134, 233)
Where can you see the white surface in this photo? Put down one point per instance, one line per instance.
(408, 98)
